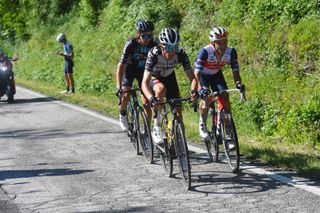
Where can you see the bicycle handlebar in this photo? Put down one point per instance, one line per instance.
(218, 93)
(128, 91)
(174, 101)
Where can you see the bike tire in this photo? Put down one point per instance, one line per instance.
(212, 143)
(232, 154)
(132, 132)
(10, 94)
(144, 134)
(182, 154)
(166, 160)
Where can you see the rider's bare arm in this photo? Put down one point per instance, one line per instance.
(197, 76)
(120, 73)
(145, 84)
(192, 79)
(235, 66)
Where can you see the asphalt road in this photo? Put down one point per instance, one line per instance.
(55, 158)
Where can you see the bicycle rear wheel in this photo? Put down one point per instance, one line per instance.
(145, 136)
(132, 131)
(166, 159)
(212, 143)
(230, 142)
(182, 154)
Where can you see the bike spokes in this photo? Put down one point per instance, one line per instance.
(145, 137)
(212, 143)
(183, 155)
(230, 142)
(132, 131)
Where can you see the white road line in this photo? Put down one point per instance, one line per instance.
(298, 184)
(72, 106)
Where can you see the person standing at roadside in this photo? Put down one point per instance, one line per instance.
(68, 62)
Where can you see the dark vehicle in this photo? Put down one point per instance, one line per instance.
(7, 83)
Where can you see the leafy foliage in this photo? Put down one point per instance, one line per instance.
(277, 43)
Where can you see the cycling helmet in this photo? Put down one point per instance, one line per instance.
(218, 33)
(144, 26)
(61, 37)
(169, 36)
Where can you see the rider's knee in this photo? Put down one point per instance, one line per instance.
(159, 89)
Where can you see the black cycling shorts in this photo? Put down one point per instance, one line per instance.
(171, 84)
(68, 67)
(216, 82)
(130, 74)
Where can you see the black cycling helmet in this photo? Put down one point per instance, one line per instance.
(144, 26)
(169, 36)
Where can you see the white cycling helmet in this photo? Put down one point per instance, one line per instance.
(217, 34)
(169, 36)
(61, 37)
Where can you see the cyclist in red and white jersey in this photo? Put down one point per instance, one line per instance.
(211, 59)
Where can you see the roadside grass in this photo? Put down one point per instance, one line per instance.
(305, 159)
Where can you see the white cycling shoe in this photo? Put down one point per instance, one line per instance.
(123, 120)
(157, 136)
(203, 131)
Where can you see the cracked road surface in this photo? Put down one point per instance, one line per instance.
(56, 159)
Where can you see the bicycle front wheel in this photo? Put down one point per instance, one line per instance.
(212, 143)
(230, 142)
(182, 154)
(145, 136)
(166, 159)
(132, 131)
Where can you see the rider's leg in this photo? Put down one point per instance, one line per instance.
(205, 81)
(159, 91)
(124, 99)
(147, 108)
(126, 86)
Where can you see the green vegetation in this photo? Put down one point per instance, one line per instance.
(277, 43)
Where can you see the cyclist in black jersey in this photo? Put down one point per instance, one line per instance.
(159, 78)
(131, 66)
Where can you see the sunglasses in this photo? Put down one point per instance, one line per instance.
(171, 48)
(146, 36)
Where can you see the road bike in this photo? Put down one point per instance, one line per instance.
(222, 130)
(174, 144)
(139, 129)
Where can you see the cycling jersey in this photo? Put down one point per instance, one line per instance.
(159, 66)
(207, 62)
(67, 50)
(134, 54)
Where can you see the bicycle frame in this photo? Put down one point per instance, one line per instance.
(173, 109)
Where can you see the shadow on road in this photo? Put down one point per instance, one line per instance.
(220, 180)
(50, 133)
(33, 100)
(13, 174)
(130, 209)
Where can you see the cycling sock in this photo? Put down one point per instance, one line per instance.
(157, 121)
(123, 112)
(72, 89)
(68, 88)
